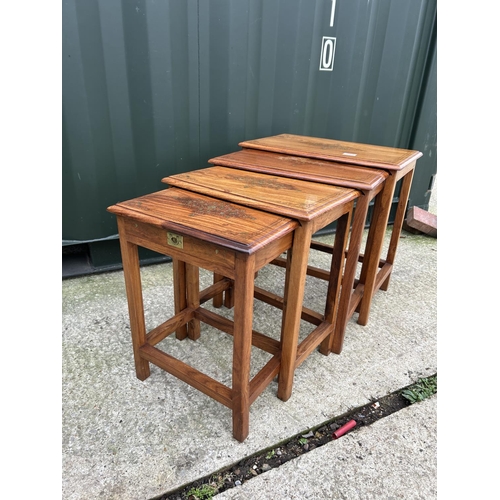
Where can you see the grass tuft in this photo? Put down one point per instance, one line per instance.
(421, 390)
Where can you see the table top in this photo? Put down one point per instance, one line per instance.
(368, 155)
(293, 198)
(307, 169)
(227, 224)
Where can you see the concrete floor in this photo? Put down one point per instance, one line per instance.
(127, 439)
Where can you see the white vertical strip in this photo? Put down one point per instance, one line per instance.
(332, 15)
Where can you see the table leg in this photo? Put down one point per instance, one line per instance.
(404, 195)
(193, 298)
(242, 344)
(341, 275)
(179, 272)
(229, 298)
(292, 309)
(218, 299)
(132, 275)
(373, 248)
(346, 294)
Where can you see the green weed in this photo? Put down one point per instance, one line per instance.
(204, 492)
(421, 390)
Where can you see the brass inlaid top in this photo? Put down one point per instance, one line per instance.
(187, 213)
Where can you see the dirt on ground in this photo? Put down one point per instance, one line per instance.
(252, 466)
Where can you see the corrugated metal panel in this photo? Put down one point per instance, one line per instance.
(130, 105)
(151, 88)
(424, 135)
(260, 69)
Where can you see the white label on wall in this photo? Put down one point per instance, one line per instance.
(327, 53)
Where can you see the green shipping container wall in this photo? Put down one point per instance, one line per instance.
(152, 88)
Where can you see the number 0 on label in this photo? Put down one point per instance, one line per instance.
(327, 53)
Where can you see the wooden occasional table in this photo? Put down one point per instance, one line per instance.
(398, 163)
(314, 206)
(370, 182)
(232, 240)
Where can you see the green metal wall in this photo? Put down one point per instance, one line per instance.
(155, 87)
